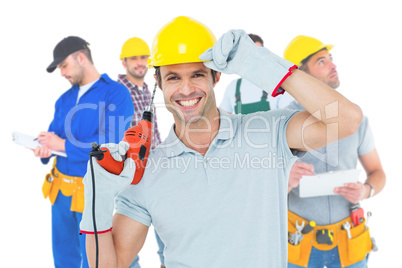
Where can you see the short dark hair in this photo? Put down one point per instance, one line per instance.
(86, 52)
(159, 77)
(303, 64)
(256, 38)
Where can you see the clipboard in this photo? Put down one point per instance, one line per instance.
(324, 183)
(31, 142)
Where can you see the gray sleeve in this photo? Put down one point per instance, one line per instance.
(366, 138)
(284, 100)
(294, 105)
(131, 202)
(289, 156)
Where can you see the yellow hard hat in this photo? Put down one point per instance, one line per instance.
(182, 40)
(301, 47)
(134, 47)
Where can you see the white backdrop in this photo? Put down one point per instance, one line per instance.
(367, 39)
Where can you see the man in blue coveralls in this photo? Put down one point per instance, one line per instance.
(94, 109)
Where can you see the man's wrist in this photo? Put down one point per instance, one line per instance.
(289, 188)
(369, 190)
(98, 232)
(62, 146)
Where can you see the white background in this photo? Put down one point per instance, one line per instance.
(367, 39)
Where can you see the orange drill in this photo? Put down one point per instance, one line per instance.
(139, 138)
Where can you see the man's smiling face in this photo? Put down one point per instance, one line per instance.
(188, 91)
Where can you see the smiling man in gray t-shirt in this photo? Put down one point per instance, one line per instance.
(217, 192)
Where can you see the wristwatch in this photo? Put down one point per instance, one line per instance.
(372, 189)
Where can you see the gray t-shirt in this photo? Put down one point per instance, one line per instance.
(225, 209)
(340, 155)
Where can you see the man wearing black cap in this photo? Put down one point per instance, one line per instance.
(94, 109)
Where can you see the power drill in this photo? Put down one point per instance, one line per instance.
(139, 138)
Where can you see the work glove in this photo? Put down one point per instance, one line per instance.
(107, 185)
(236, 53)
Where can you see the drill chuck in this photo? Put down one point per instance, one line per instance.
(147, 115)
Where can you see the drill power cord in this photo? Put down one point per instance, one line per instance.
(93, 214)
(98, 154)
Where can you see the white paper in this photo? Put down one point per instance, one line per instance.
(30, 142)
(324, 183)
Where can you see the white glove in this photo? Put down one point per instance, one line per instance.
(236, 53)
(107, 185)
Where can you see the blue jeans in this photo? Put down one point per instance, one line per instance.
(329, 259)
(67, 243)
(135, 263)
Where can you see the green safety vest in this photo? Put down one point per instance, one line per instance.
(262, 105)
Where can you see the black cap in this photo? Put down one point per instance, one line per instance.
(64, 48)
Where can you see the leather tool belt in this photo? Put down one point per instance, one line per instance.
(68, 185)
(350, 250)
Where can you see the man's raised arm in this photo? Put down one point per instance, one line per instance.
(329, 116)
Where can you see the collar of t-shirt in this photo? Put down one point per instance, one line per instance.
(84, 89)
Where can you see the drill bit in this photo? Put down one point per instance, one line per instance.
(149, 108)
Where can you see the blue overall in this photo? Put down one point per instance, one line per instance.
(101, 115)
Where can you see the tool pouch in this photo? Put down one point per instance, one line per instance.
(51, 185)
(66, 185)
(299, 254)
(355, 249)
(71, 186)
(78, 201)
(47, 185)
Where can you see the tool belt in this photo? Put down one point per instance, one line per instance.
(68, 185)
(350, 250)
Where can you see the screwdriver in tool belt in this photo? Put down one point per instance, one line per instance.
(310, 226)
(139, 138)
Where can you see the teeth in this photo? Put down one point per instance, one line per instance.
(189, 103)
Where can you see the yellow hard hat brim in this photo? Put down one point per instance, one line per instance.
(182, 40)
(178, 59)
